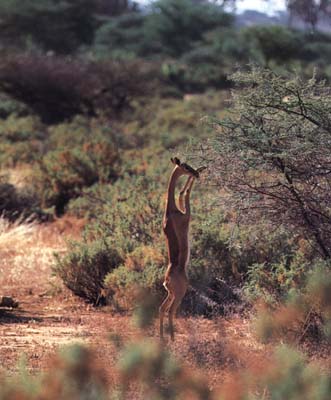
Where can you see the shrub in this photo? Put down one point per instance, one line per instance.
(9, 107)
(21, 140)
(221, 246)
(130, 214)
(272, 282)
(143, 269)
(127, 215)
(57, 26)
(130, 223)
(62, 174)
(75, 86)
(122, 37)
(177, 25)
(85, 266)
(272, 154)
(190, 76)
(274, 42)
(174, 123)
(82, 129)
(305, 310)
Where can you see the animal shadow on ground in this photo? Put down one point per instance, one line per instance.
(9, 316)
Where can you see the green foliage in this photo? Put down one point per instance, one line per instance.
(132, 223)
(21, 140)
(272, 282)
(160, 375)
(73, 374)
(60, 26)
(174, 123)
(305, 308)
(291, 378)
(75, 86)
(129, 222)
(272, 153)
(122, 37)
(274, 42)
(80, 160)
(125, 285)
(85, 266)
(220, 246)
(316, 48)
(129, 218)
(9, 107)
(177, 25)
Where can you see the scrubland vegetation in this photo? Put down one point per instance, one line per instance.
(94, 100)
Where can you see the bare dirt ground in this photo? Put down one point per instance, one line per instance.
(49, 317)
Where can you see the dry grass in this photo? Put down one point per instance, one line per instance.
(13, 235)
(27, 256)
(18, 176)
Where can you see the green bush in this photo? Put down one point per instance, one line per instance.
(219, 245)
(21, 140)
(85, 266)
(273, 277)
(274, 42)
(178, 25)
(9, 107)
(191, 76)
(127, 217)
(174, 123)
(58, 26)
(143, 269)
(62, 174)
(122, 37)
(130, 217)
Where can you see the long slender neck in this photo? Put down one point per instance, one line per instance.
(171, 202)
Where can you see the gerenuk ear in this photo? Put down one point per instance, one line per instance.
(175, 160)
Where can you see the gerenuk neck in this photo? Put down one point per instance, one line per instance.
(171, 202)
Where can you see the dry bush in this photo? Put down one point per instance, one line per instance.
(56, 88)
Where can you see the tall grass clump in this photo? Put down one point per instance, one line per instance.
(13, 234)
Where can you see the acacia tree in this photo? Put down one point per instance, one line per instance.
(177, 25)
(272, 155)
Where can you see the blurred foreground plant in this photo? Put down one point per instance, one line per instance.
(306, 313)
